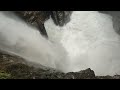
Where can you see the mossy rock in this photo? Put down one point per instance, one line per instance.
(4, 75)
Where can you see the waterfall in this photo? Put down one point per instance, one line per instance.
(87, 41)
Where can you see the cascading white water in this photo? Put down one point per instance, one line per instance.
(87, 41)
(90, 42)
(19, 38)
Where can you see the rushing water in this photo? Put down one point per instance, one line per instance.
(87, 41)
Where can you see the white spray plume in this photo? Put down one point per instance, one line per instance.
(90, 41)
(87, 41)
(16, 36)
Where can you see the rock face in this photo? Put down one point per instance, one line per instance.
(84, 74)
(15, 67)
(37, 18)
(61, 17)
(115, 18)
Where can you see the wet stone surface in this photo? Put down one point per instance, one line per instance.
(16, 67)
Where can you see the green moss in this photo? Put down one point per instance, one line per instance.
(4, 75)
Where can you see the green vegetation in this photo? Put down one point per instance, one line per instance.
(4, 75)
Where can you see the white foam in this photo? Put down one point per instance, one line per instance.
(90, 41)
(87, 41)
(18, 37)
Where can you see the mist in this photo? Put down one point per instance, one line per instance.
(87, 41)
(90, 41)
(19, 38)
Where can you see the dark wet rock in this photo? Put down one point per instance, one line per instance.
(115, 18)
(37, 18)
(108, 77)
(116, 76)
(19, 68)
(84, 74)
(61, 17)
(104, 77)
(15, 67)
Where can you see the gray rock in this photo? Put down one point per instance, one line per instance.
(84, 74)
(115, 18)
(37, 18)
(61, 17)
(19, 68)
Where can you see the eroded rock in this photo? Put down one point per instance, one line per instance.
(61, 17)
(37, 18)
(19, 68)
